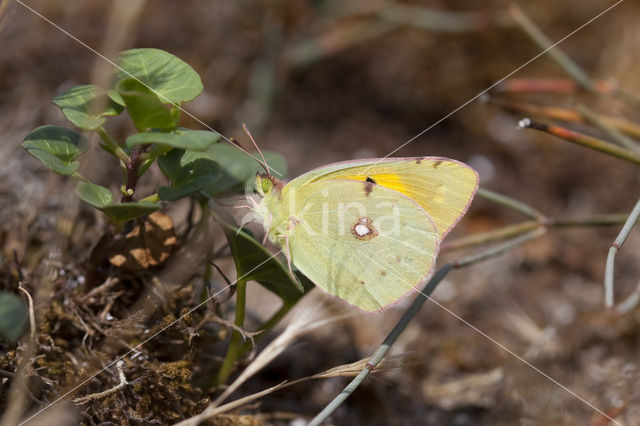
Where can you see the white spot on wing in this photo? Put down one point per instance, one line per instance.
(362, 229)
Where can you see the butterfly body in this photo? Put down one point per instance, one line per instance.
(367, 231)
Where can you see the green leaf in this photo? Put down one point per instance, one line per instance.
(86, 106)
(102, 198)
(170, 78)
(56, 147)
(219, 170)
(196, 140)
(145, 107)
(13, 316)
(123, 212)
(255, 263)
(189, 172)
(95, 195)
(238, 169)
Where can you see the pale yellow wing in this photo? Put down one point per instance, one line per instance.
(443, 187)
(367, 244)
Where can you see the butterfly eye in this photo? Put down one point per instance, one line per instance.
(266, 185)
(263, 184)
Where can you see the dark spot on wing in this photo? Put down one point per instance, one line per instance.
(361, 282)
(383, 273)
(436, 164)
(368, 185)
(418, 160)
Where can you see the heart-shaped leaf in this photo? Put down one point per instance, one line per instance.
(123, 212)
(189, 172)
(56, 147)
(145, 107)
(167, 76)
(219, 170)
(13, 316)
(95, 195)
(102, 198)
(87, 106)
(195, 140)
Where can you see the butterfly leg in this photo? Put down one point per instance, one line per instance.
(267, 228)
(287, 254)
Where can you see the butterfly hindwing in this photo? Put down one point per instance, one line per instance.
(363, 242)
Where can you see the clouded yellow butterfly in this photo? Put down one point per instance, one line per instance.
(367, 231)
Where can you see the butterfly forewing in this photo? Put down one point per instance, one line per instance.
(444, 188)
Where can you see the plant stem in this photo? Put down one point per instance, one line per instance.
(270, 323)
(112, 145)
(133, 167)
(514, 204)
(583, 140)
(566, 114)
(78, 176)
(442, 21)
(384, 347)
(594, 220)
(235, 346)
(630, 302)
(520, 228)
(616, 135)
(561, 86)
(544, 42)
(613, 250)
(491, 236)
(500, 249)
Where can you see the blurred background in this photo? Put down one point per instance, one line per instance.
(325, 81)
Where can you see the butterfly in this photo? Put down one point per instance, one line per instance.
(367, 231)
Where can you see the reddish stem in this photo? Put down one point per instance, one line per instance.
(133, 167)
(583, 140)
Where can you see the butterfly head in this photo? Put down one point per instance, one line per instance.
(270, 189)
(265, 184)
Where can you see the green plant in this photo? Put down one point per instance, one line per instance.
(13, 315)
(151, 85)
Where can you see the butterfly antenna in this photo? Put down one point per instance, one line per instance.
(264, 164)
(234, 142)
